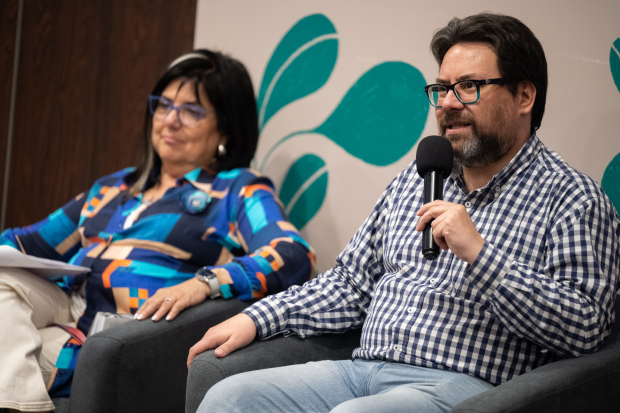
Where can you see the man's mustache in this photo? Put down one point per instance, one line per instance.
(452, 117)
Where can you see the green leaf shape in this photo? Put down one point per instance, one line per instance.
(304, 189)
(611, 181)
(614, 62)
(382, 116)
(300, 65)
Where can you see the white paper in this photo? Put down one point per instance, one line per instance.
(10, 257)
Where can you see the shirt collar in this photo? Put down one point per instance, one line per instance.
(192, 175)
(521, 161)
(197, 176)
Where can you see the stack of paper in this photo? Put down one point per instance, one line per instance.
(10, 257)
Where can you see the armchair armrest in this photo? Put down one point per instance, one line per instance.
(207, 369)
(584, 384)
(140, 366)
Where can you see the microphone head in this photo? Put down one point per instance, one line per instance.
(434, 153)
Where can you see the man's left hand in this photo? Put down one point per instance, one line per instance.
(453, 229)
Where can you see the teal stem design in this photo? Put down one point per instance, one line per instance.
(278, 143)
(297, 195)
(614, 62)
(300, 65)
(282, 69)
(304, 189)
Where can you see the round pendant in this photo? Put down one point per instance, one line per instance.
(194, 202)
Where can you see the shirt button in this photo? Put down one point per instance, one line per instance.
(467, 204)
(273, 325)
(410, 310)
(396, 347)
(498, 189)
(433, 280)
(302, 335)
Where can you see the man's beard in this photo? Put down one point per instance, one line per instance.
(483, 147)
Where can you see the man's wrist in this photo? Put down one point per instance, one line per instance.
(489, 269)
(475, 251)
(268, 316)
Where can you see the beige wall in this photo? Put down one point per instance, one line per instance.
(582, 110)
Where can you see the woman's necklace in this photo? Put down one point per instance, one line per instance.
(153, 195)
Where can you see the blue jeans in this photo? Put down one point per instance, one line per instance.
(343, 387)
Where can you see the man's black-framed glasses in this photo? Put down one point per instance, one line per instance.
(188, 114)
(466, 91)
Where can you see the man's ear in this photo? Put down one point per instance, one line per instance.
(526, 96)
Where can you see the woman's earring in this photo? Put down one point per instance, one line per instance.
(221, 151)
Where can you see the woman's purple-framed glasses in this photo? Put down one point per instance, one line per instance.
(188, 114)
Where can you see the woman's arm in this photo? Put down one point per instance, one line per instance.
(56, 237)
(276, 254)
(250, 220)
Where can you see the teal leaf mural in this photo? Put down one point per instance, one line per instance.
(304, 189)
(300, 65)
(380, 118)
(614, 62)
(611, 178)
(611, 181)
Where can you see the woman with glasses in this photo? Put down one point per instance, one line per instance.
(191, 222)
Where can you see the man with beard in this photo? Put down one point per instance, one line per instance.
(528, 276)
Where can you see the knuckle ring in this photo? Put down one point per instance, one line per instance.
(169, 299)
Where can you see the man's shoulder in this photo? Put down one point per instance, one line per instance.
(408, 176)
(566, 177)
(571, 190)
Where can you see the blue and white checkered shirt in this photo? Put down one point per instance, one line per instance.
(542, 288)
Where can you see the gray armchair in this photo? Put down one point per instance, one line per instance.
(140, 366)
(586, 384)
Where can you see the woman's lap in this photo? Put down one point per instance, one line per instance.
(343, 386)
(29, 304)
(48, 302)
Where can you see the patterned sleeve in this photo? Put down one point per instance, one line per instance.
(338, 299)
(568, 306)
(56, 237)
(274, 256)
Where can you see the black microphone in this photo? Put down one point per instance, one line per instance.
(434, 160)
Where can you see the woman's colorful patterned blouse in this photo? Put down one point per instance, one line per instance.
(231, 223)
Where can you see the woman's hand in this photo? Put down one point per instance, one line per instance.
(173, 300)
